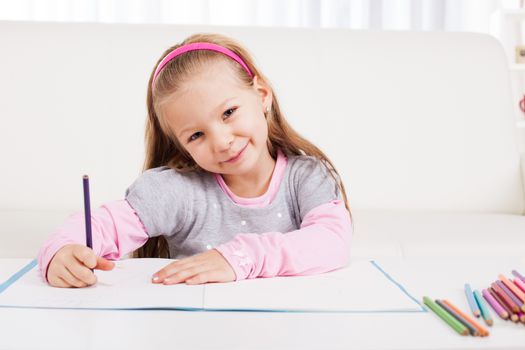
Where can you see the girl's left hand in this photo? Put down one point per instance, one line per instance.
(209, 266)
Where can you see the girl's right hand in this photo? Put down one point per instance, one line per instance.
(72, 267)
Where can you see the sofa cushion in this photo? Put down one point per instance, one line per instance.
(412, 120)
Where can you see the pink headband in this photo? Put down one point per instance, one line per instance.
(198, 46)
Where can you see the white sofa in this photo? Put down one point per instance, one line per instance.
(420, 126)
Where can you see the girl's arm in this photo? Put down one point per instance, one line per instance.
(116, 230)
(321, 244)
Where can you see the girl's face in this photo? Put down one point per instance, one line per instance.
(221, 122)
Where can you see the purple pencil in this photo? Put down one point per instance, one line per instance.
(87, 211)
(518, 275)
(495, 305)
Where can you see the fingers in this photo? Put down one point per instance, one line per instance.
(65, 279)
(206, 267)
(56, 281)
(201, 278)
(69, 277)
(104, 264)
(176, 272)
(199, 275)
(72, 266)
(212, 275)
(85, 255)
(82, 273)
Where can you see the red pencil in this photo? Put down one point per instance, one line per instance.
(505, 298)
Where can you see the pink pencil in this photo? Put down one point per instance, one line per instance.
(519, 283)
(495, 305)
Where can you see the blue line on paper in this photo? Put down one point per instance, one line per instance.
(17, 276)
(403, 289)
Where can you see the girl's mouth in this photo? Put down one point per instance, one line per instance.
(237, 156)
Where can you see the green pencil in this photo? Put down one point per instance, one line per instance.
(445, 316)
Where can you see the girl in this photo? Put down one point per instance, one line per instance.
(233, 189)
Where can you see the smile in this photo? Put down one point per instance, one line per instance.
(237, 156)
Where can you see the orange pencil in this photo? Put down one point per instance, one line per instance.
(482, 331)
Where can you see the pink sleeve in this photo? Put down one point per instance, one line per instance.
(321, 244)
(116, 230)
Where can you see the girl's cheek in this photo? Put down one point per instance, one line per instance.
(194, 152)
(247, 123)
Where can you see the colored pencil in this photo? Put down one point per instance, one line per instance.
(480, 330)
(521, 316)
(483, 307)
(517, 274)
(445, 316)
(513, 317)
(471, 329)
(517, 292)
(505, 298)
(500, 310)
(470, 299)
(520, 284)
(87, 212)
(511, 295)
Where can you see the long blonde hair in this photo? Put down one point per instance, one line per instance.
(162, 147)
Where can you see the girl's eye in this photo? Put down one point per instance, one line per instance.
(229, 112)
(195, 136)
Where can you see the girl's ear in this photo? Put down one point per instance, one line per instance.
(264, 92)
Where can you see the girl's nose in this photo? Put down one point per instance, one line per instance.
(222, 140)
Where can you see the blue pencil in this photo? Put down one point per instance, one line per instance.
(483, 307)
(470, 298)
(87, 212)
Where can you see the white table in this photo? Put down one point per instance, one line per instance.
(96, 329)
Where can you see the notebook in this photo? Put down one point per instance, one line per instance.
(363, 286)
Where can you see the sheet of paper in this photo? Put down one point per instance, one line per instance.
(127, 286)
(361, 287)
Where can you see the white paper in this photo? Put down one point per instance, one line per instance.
(360, 287)
(127, 286)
